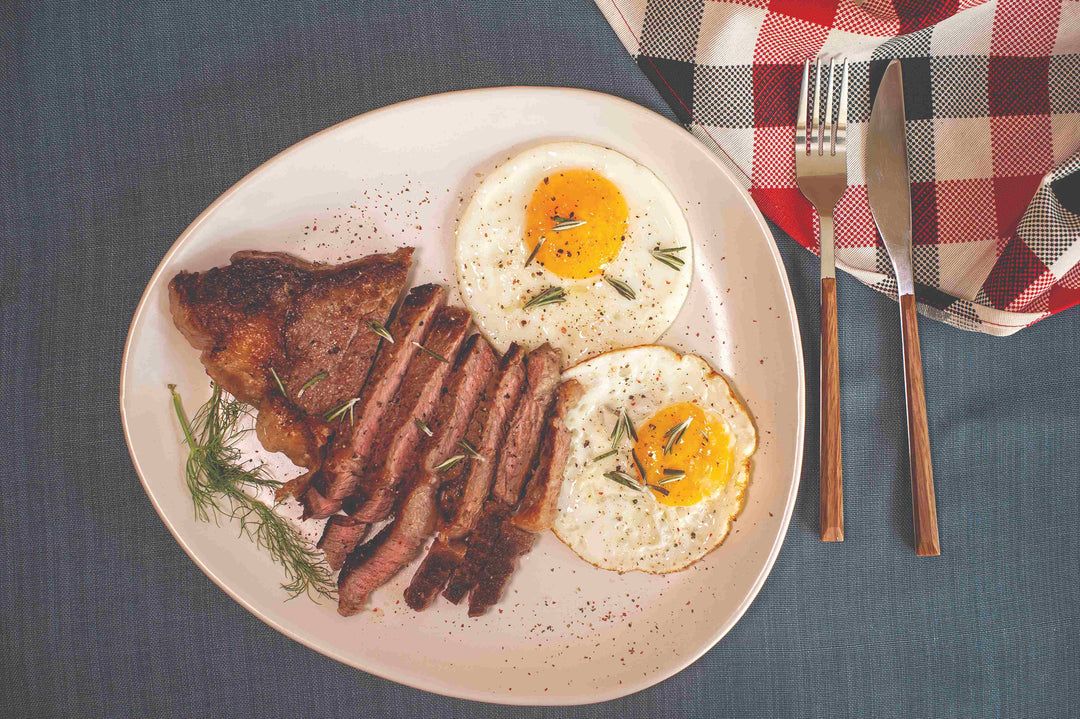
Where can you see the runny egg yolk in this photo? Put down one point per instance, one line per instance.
(576, 195)
(703, 451)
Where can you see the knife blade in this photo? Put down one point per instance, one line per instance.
(889, 190)
(887, 181)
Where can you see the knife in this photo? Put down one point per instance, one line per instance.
(889, 190)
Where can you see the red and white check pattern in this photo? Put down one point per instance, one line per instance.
(992, 94)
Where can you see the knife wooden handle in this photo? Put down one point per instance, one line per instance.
(832, 482)
(923, 505)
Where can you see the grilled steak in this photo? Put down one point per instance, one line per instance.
(237, 314)
(512, 544)
(483, 543)
(340, 537)
(542, 368)
(536, 512)
(486, 433)
(351, 449)
(398, 441)
(441, 561)
(416, 518)
(281, 427)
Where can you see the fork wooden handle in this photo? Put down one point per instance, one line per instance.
(923, 504)
(832, 482)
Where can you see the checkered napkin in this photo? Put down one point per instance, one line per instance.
(992, 93)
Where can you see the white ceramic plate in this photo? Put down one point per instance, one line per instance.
(566, 633)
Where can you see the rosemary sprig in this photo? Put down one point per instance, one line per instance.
(280, 385)
(550, 296)
(470, 449)
(668, 256)
(621, 287)
(623, 427)
(311, 383)
(624, 479)
(448, 463)
(672, 475)
(674, 434)
(216, 479)
(567, 225)
(640, 466)
(535, 249)
(380, 329)
(339, 411)
(605, 455)
(423, 427)
(432, 353)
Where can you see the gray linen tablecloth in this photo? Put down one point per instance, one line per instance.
(120, 123)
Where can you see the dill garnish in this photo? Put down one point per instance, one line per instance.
(216, 477)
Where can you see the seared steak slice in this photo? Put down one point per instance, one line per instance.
(486, 433)
(413, 525)
(416, 518)
(351, 448)
(340, 537)
(483, 542)
(397, 443)
(327, 332)
(441, 561)
(512, 544)
(542, 370)
(536, 512)
(236, 314)
(461, 396)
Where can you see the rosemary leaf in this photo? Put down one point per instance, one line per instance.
(621, 287)
(672, 475)
(432, 353)
(550, 296)
(423, 427)
(658, 488)
(667, 256)
(535, 249)
(605, 455)
(280, 385)
(674, 434)
(340, 410)
(629, 426)
(380, 329)
(219, 481)
(447, 464)
(469, 449)
(311, 383)
(567, 225)
(640, 466)
(624, 479)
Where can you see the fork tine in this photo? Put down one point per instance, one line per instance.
(829, 129)
(841, 124)
(800, 123)
(815, 131)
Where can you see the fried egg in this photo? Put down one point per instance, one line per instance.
(575, 245)
(658, 489)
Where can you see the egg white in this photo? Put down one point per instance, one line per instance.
(617, 528)
(495, 283)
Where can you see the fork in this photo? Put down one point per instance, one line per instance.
(821, 172)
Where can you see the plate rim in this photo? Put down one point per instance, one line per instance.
(521, 700)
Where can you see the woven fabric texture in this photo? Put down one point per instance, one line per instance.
(992, 99)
